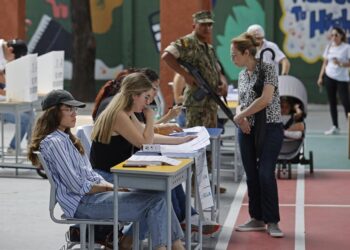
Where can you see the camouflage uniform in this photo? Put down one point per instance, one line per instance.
(202, 56)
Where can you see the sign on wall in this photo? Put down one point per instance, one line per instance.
(307, 24)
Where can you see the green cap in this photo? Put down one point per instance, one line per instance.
(203, 17)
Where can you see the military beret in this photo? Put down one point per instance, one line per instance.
(203, 17)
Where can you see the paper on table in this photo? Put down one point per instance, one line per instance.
(201, 141)
(153, 158)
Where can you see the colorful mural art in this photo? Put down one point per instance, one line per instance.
(236, 22)
(306, 25)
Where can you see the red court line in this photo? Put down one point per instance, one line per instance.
(326, 226)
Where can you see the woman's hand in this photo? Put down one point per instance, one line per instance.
(243, 123)
(149, 113)
(320, 82)
(167, 128)
(174, 112)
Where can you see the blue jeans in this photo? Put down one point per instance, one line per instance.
(261, 181)
(178, 196)
(149, 208)
(25, 126)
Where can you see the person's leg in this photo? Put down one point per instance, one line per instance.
(343, 90)
(25, 120)
(149, 208)
(267, 165)
(331, 87)
(178, 198)
(247, 148)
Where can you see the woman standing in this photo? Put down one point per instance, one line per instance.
(334, 75)
(261, 181)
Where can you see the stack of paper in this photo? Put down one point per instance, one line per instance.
(148, 160)
(190, 147)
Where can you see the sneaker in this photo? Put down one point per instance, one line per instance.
(274, 231)
(332, 131)
(208, 227)
(251, 225)
(11, 151)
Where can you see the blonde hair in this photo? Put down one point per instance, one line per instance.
(133, 84)
(244, 42)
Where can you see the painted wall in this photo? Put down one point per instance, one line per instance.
(128, 31)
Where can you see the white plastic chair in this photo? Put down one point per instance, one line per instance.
(84, 135)
(83, 223)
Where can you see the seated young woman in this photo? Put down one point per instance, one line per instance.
(83, 193)
(117, 134)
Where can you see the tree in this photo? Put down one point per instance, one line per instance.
(84, 52)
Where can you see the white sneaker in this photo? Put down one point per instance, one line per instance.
(332, 131)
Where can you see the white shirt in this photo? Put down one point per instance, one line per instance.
(279, 55)
(342, 53)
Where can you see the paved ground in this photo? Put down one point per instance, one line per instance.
(24, 198)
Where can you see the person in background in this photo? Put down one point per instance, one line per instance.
(292, 118)
(179, 86)
(280, 58)
(9, 51)
(259, 169)
(334, 74)
(117, 129)
(111, 88)
(83, 193)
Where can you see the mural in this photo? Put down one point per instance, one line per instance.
(236, 23)
(306, 25)
(101, 14)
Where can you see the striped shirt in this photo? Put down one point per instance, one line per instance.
(71, 171)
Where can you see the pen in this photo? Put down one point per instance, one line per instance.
(134, 166)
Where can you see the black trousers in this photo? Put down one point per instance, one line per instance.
(332, 87)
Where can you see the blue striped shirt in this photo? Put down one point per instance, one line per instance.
(71, 171)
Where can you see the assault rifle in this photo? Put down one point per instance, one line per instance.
(204, 89)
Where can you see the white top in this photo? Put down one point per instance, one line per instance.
(342, 53)
(279, 55)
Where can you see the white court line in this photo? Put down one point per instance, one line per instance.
(299, 210)
(227, 229)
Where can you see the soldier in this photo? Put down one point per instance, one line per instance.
(195, 49)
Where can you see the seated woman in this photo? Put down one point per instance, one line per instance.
(292, 118)
(111, 88)
(117, 129)
(83, 193)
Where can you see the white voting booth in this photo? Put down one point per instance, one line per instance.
(50, 71)
(21, 79)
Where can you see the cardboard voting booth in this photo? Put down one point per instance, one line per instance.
(50, 71)
(21, 79)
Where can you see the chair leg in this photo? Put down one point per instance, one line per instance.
(91, 237)
(82, 236)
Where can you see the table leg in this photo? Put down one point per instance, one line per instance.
(188, 209)
(169, 204)
(115, 213)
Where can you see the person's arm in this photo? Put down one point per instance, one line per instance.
(132, 130)
(257, 105)
(172, 140)
(322, 71)
(179, 85)
(101, 187)
(167, 128)
(285, 66)
(172, 113)
(172, 63)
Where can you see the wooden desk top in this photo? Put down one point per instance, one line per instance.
(162, 169)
